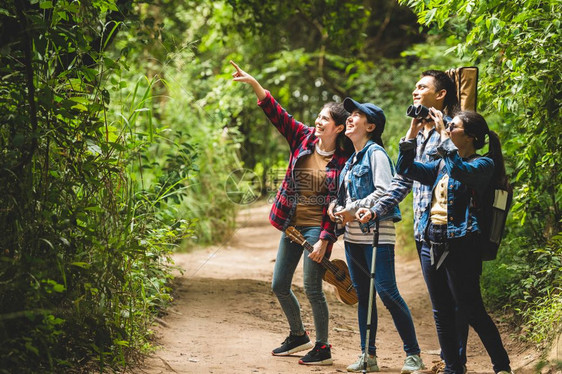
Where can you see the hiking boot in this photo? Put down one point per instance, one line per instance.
(411, 364)
(357, 367)
(437, 368)
(293, 344)
(320, 355)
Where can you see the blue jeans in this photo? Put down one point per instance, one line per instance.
(456, 284)
(460, 320)
(288, 256)
(359, 257)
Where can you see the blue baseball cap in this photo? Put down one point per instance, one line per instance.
(374, 113)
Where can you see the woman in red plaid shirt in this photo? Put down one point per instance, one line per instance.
(310, 184)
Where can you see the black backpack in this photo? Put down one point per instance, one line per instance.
(491, 210)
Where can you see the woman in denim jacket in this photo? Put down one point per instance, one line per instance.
(365, 178)
(451, 229)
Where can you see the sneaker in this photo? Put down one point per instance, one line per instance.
(357, 367)
(505, 372)
(411, 364)
(293, 344)
(320, 355)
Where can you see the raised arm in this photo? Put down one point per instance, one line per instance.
(241, 76)
(423, 173)
(294, 131)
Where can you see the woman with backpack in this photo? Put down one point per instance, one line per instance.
(451, 228)
(365, 178)
(317, 155)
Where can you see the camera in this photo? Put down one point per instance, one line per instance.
(364, 227)
(418, 111)
(338, 208)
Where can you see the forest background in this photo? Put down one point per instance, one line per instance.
(123, 139)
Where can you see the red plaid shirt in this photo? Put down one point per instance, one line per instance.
(302, 141)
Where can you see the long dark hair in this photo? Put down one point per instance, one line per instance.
(476, 126)
(444, 82)
(339, 115)
(376, 135)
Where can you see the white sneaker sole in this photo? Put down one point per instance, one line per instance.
(412, 371)
(302, 347)
(369, 370)
(326, 362)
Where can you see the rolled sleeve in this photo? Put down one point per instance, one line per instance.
(328, 235)
(267, 99)
(398, 190)
(447, 147)
(407, 145)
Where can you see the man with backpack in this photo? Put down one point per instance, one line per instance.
(435, 89)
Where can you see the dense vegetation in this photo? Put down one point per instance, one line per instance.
(120, 127)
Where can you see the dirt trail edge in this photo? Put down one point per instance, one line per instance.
(225, 319)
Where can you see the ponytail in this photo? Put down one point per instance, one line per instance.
(476, 126)
(376, 136)
(378, 139)
(495, 153)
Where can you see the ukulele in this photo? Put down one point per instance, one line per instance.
(337, 273)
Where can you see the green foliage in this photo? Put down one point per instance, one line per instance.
(217, 144)
(533, 289)
(367, 30)
(517, 45)
(84, 257)
(120, 126)
(193, 108)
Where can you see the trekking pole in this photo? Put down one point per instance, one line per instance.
(371, 294)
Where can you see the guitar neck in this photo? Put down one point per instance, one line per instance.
(325, 262)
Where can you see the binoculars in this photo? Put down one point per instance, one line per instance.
(418, 111)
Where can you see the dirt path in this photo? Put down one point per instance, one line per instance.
(225, 319)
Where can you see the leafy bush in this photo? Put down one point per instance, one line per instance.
(84, 257)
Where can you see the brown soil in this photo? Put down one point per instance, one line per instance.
(225, 319)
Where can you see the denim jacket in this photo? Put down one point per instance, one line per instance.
(465, 176)
(362, 186)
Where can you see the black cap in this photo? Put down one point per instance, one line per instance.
(374, 113)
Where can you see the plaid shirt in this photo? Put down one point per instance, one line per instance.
(302, 141)
(426, 150)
